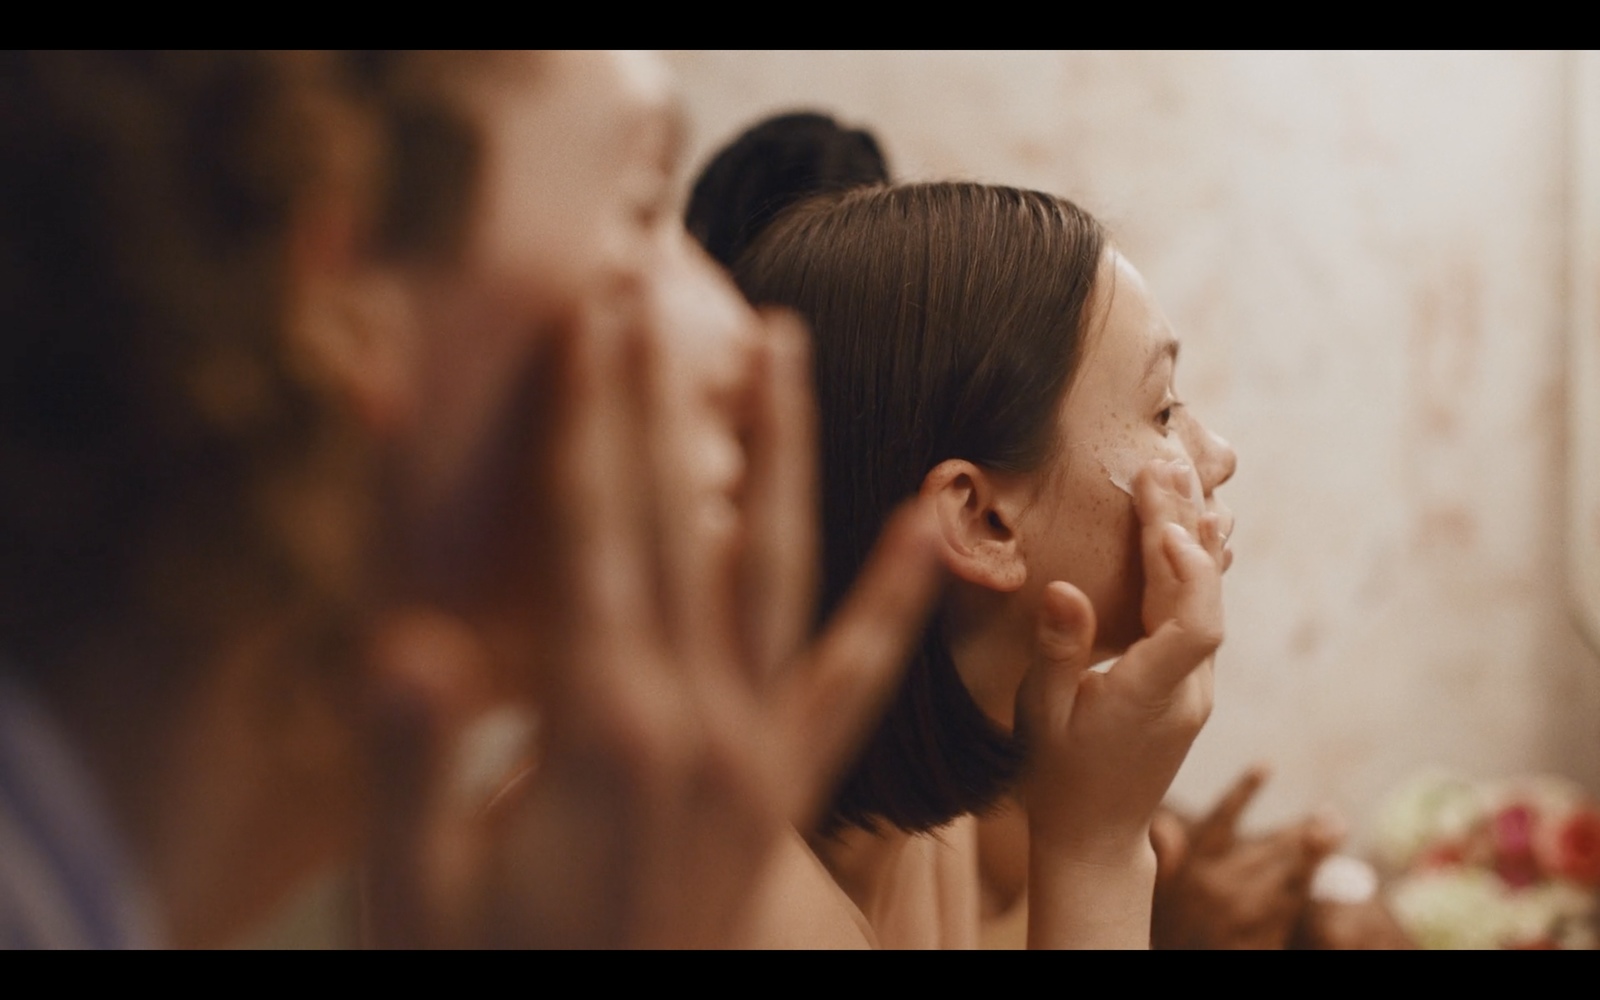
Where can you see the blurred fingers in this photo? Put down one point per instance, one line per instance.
(778, 574)
(1171, 844)
(600, 535)
(690, 520)
(424, 848)
(1216, 831)
(834, 697)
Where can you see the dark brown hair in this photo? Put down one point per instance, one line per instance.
(948, 324)
(770, 166)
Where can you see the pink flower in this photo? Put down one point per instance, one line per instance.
(1512, 830)
(1578, 847)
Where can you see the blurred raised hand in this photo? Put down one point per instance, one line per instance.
(1219, 889)
(684, 724)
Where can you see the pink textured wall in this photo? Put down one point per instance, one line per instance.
(1366, 255)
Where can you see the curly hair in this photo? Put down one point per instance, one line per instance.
(170, 465)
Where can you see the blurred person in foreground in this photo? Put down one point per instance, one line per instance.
(343, 398)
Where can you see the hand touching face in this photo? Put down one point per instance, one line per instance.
(1122, 411)
(613, 466)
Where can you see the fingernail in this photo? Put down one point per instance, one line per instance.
(1179, 534)
(1182, 478)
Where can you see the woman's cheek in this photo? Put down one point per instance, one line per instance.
(1121, 460)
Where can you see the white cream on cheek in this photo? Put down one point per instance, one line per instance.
(1121, 465)
(1123, 462)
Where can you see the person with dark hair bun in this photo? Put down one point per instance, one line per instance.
(770, 166)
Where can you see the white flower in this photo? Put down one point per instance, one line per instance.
(1454, 909)
(1469, 908)
(1433, 808)
(1555, 911)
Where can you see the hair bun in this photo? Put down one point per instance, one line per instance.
(773, 164)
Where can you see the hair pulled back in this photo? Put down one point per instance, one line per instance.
(770, 166)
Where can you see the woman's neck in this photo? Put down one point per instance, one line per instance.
(916, 890)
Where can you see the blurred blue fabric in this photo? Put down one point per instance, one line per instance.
(65, 882)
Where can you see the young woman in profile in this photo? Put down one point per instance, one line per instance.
(986, 348)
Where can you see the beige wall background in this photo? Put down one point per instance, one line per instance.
(1368, 258)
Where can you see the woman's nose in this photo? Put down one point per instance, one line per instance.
(1214, 458)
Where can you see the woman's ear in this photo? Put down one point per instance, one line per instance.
(977, 512)
(352, 323)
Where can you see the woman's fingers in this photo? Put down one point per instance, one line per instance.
(425, 853)
(778, 573)
(1171, 843)
(832, 698)
(1066, 628)
(602, 563)
(1064, 646)
(1162, 505)
(1216, 831)
(1317, 836)
(1213, 539)
(1193, 630)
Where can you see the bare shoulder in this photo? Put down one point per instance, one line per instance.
(799, 905)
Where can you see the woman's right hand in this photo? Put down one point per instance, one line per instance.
(1104, 747)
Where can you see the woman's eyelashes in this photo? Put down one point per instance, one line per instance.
(1168, 411)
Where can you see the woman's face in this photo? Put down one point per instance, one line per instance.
(1122, 411)
(572, 220)
(569, 212)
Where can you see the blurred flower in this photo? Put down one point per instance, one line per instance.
(1512, 835)
(1451, 909)
(1512, 864)
(1433, 814)
(1578, 848)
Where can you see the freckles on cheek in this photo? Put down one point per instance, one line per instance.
(1121, 465)
(1117, 455)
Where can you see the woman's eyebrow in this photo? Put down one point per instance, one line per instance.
(1167, 350)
